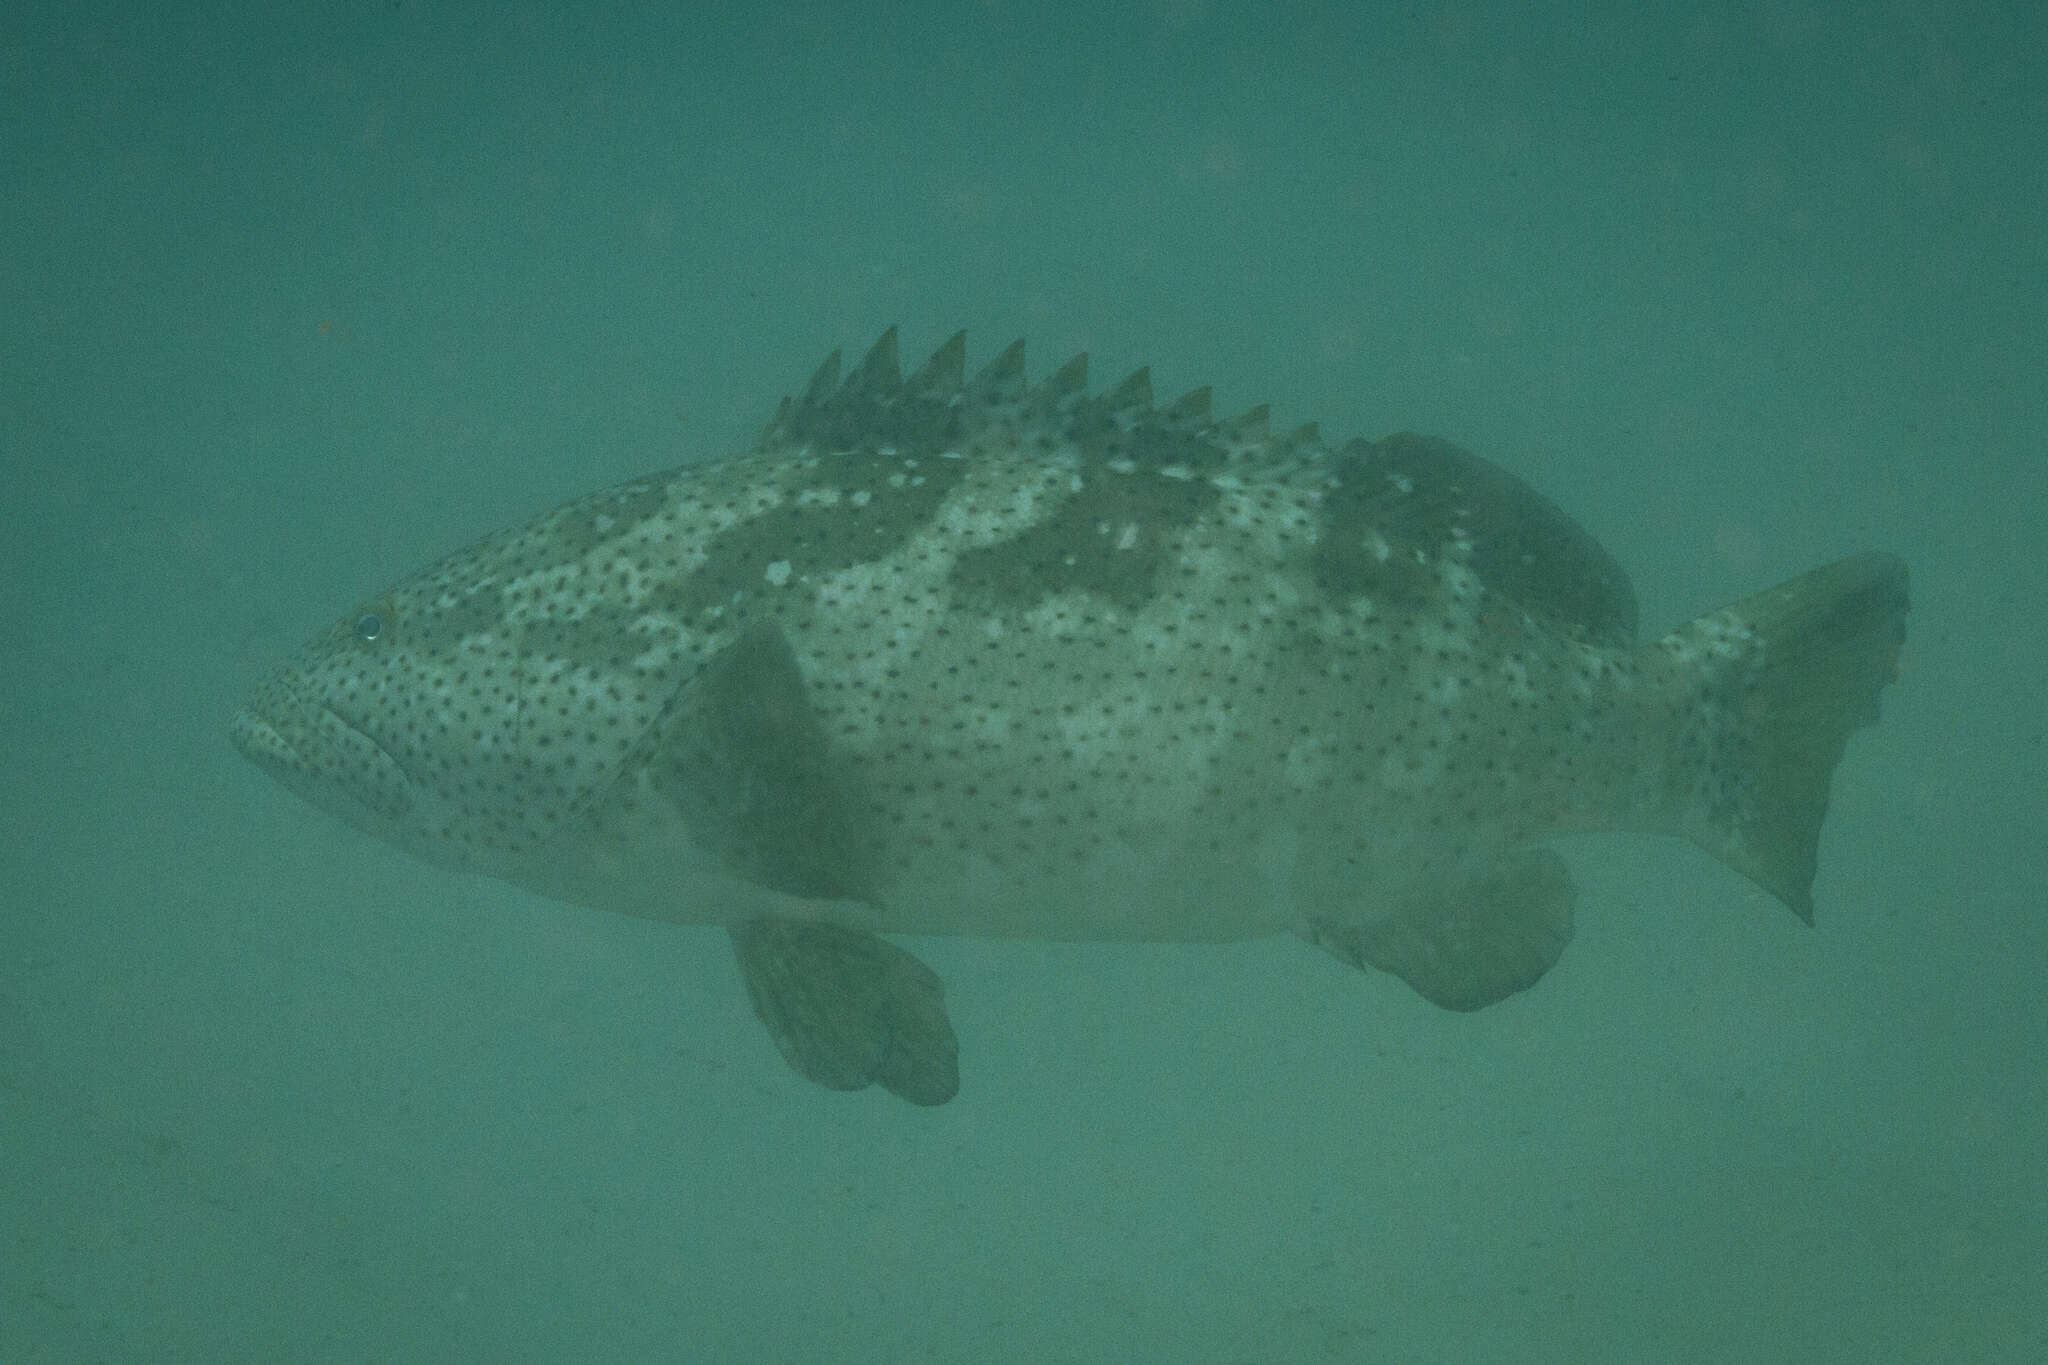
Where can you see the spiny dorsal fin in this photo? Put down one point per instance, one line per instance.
(1307, 434)
(1062, 387)
(1191, 409)
(1131, 397)
(1245, 433)
(1002, 379)
(878, 375)
(822, 384)
(940, 375)
(873, 407)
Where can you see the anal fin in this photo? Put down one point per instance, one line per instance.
(1472, 944)
(847, 1009)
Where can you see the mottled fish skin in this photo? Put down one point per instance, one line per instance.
(1046, 663)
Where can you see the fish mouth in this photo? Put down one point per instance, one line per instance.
(317, 753)
(260, 742)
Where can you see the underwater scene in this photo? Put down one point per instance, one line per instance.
(1180, 682)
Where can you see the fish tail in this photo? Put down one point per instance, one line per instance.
(1777, 682)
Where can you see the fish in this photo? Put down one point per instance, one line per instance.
(967, 655)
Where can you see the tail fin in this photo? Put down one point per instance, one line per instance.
(1777, 683)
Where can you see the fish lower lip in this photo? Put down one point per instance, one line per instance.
(259, 740)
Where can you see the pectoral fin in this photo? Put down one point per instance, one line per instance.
(745, 761)
(1470, 945)
(847, 1009)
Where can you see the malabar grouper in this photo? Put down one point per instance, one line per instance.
(950, 655)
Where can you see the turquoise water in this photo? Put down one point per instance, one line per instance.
(289, 305)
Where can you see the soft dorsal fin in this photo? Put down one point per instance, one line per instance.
(1423, 496)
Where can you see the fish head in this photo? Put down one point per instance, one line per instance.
(473, 712)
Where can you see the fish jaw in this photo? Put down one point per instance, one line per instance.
(312, 751)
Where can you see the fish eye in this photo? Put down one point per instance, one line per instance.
(370, 623)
